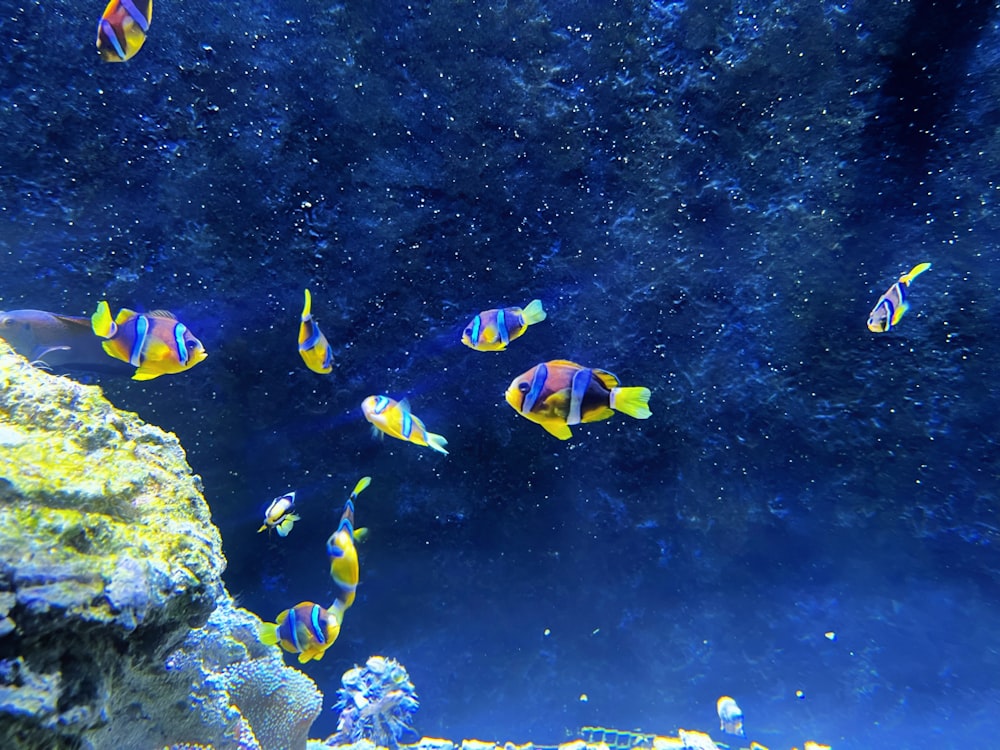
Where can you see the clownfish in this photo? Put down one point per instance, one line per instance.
(394, 418)
(123, 28)
(313, 346)
(892, 305)
(279, 515)
(154, 343)
(344, 566)
(730, 716)
(492, 330)
(560, 393)
(306, 629)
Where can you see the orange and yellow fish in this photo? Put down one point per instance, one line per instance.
(279, 515)
(123, 28)
(492, 330)
(154, 343)
(730, 716)
(306, 629)
(344, 567)
(560, 393)
(892, 306)
(313, 346)
(394, 418)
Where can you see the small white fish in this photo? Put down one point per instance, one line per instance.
(279, 514)
(730, 716)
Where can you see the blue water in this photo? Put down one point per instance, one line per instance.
(709, 199)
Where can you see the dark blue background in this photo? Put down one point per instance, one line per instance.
(708, 198)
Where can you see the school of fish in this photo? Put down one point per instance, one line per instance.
(556, 394)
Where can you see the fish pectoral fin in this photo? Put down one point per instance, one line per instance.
(38, 356)
(142, 374)
(900, 312)
(558, 429)
(605, 412)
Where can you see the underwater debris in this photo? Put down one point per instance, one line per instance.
(377, 703)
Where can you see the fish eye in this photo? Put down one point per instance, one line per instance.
(523, 387)
(8, 322)
(191, 344)
(468, 332)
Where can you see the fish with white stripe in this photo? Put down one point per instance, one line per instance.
(559, 394)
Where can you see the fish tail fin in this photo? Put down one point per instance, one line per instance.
(307, 307)
(286, 524)
(268, 634)
(914, 272)
(437, 442)
(534, 312)
(102, 323)
(360, 486)
(633, 401)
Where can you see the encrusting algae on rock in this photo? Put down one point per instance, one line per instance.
(115, 628)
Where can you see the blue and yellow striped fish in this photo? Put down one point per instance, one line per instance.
(345, 569)
(306, 629)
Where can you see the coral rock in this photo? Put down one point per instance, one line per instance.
(115, 628)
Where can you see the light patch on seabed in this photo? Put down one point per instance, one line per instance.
(11, 436)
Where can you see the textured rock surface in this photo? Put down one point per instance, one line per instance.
(108, 559)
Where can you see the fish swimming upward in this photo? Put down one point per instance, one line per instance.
(313, 346)
(58, 342)
(561, 393)
(279, 515)
(122, 29)
(492, 330)
(394, 418)
(306, 629)
(155, 343)
(892, 305)
(344, 567)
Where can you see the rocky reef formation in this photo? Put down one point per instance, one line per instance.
(115, 628)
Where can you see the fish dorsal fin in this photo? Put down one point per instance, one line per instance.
(404, 405)
(608, 380)
(566, 363)
(162, 314)
(124, 315)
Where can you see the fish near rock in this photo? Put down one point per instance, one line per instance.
(560, 393)
(57, 342)
(307, 629)
(155, 343)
